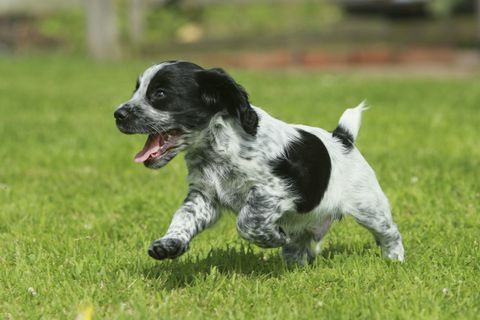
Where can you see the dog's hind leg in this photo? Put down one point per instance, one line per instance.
(305, 246)
(299, 250)
(377, 218)
(319, 231)
(257, 220)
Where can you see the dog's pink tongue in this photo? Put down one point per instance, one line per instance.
(151, 146)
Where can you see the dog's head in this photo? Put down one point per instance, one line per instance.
(174, 101)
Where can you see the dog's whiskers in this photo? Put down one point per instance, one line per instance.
(160, 130)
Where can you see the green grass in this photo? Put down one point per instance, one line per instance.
(76, 214)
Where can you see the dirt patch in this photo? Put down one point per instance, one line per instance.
(426, 57)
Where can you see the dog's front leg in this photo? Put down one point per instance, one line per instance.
(197, 212)
(257, 220)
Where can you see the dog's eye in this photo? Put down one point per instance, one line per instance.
(159, 94)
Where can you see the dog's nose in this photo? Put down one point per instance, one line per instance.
(121, 114)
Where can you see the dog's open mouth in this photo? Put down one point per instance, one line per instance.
(158, 145)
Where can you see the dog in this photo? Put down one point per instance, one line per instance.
(286, 183)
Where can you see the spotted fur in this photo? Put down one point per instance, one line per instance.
(286, 183)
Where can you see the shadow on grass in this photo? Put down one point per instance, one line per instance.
(233, 261)
(340, 249)
(225, 261)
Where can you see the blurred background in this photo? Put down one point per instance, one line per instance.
(250, 33)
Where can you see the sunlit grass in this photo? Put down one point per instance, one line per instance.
(76, 214)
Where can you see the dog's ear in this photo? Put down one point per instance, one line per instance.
(219, 91)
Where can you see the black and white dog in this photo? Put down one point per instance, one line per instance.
(287, 183)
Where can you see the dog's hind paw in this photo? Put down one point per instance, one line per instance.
(395, 253)
(167, 248)
(270, 238)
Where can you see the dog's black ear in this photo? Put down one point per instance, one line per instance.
(219, 91)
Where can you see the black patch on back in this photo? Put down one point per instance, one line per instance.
(307, 168)
(345, 137)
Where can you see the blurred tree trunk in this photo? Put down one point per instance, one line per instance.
(478, 23)
(137, 10)
(102, 33)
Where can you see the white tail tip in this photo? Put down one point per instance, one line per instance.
(351, 119)
(363, 106)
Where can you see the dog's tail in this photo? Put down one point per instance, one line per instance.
(349, 125)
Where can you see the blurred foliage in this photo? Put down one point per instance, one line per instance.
(162, 24)
(165, 24)
(260, 18)
(234, 20)
(443, 8)
(68, 26)
(224, 20)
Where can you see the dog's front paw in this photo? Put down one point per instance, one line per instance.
(167, 248)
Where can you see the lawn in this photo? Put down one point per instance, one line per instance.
(77, 214)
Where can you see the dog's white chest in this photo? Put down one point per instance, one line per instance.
(230, 187)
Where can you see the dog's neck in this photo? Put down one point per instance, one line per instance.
(222, 139)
